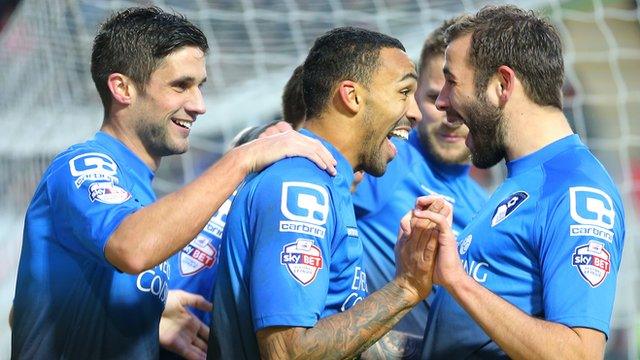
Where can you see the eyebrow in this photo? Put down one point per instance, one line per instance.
(186, 80)
(411, 75)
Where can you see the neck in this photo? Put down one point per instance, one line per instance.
(334, 129)
(530, 128)
(113, 126)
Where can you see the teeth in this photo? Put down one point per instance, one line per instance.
(402, 134)
(182, 123)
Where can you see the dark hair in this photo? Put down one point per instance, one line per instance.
(527, 43)
(134, 42)
(344, 53)
(293, 109)
(434, 45)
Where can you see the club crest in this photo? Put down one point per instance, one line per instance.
(592, 261)
(508, 206)
(302, 259)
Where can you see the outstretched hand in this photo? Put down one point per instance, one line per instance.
(181, 332)
(263, 152)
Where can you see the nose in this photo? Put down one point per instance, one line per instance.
(195, 105)
(413, 111)
(442, 101)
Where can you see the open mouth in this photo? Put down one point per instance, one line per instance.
(183, 123)
(399, 133)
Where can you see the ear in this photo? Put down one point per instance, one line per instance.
(348, 91)
(121, 87)
(506, 84)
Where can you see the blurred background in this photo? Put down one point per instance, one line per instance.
(48, 100)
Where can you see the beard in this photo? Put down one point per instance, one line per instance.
(486, 128)
(451, 155)
(372, 160)
(156, 140)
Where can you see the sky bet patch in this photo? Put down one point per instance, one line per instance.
(592, 261)
(302, 259)
(506, 207)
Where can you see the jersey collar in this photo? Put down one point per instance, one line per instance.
(133, 162)
(539, 157)
(344, 167)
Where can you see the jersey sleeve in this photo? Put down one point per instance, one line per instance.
(581, 249)
(292, 221)
(90, 195)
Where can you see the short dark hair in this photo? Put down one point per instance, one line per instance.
(345, 53)
(527, 43)
(293, 108)
(434, 45)
(134, 42)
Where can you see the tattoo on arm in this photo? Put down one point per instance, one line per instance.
(395, 345)
(343, 335)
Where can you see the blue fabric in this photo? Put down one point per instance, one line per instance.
(291, 254)
(195, 267)
(549, 241)
(380, 203)
(70, 302)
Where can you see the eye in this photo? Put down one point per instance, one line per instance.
(405, 92)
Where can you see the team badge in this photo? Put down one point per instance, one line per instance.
(108, 193)
(302, 259)
(199, 254)
(508, 206)
(592, 261)
(464, 245)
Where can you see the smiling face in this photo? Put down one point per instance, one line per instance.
(443, 140)
(170, 103)
(463, 104)
(390, 109)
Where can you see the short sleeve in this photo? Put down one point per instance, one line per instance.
(90, 195)
(581, 249)
(292, 221)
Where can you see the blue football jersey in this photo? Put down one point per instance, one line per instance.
(69, 301)
(549, 241)
(195, 267)
(380, 203)
(290, 256)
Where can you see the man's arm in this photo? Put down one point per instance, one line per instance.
(349, 333)
(519, 335)
(152, 234)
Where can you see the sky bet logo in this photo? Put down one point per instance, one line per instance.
(306, 206)
(593, 210)
(593, 262)
(303, 260)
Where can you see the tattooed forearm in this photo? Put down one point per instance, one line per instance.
(394, 345)
(342, 335)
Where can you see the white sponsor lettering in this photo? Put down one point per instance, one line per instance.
(476, 270)
(151, 281)
(302, 228)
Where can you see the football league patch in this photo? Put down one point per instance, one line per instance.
(107, 192)
(592, 261)
(508, 206)
(302, 259)
(196, 256)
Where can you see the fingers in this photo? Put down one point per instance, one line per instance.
(276, 128)
(203, 332)
(319, 154)
(200, 344)
(193, 353)
(195, 301)
(405, 224)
